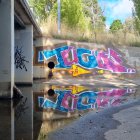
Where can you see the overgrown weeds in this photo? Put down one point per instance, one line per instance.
(49, 29)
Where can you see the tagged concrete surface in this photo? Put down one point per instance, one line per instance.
(130, 56)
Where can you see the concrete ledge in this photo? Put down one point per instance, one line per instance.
(5, 92)
(98, 82)
(37, 78)
(24, 84)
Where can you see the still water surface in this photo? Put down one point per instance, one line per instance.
(46, 108)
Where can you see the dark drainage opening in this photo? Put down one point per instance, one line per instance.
(51, 65)
(51, 92)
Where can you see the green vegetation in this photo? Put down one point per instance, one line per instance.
(116, 26)
(95, 15)
(42, 8)
(81, 14)
(84, 20)
(72, 13)
(137, 7)
(137, 14)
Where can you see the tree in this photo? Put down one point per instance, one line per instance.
(42, 8)
(128, 27)
(95, 13)
(72, 13)
(137, 7)
(137, 14)
(137, 25)
(116, 26)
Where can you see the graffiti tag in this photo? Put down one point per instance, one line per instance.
(20, 59)
(103, 60)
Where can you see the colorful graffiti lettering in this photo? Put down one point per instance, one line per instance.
(73, 89)
(74, 70)
(109, 60)
(83, 100)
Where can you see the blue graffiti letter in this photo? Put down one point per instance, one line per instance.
(91, 63)
(90, 96)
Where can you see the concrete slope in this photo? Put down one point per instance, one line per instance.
(103, 125)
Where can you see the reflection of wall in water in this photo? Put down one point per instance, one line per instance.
(24, 116)
(71, 98)
(6, 120)
(66, 101)
(49, 114)
(41, 129)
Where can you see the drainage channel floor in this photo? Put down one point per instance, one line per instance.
(46, 108)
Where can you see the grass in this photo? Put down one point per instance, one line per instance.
(49, 29)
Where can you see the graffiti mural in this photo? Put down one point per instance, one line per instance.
(80, 98)
(79, 61)
(20, 59)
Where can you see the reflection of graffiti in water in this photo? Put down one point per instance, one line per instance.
(21, 108)
(83, 60)
(112, 97)
(20, 59)
(67, 101)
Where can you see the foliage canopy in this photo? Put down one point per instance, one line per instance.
(116, 25)
(137, 14)
(75, 13)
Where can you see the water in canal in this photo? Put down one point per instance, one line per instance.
(45, 108)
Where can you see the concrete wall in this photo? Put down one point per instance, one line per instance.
(132, 54)
(130, 58)
(41, 71)
(6, 46)
(24, 55)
